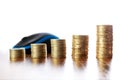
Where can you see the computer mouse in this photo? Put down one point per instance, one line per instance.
(26, 42)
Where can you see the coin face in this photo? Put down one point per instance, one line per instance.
(104, 41)
(17, 53)
(58, 48)
(38, 50)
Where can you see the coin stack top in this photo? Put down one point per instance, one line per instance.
(58, 48)
(104, 41)
(79, 46)
(17, 53)
(38, 50)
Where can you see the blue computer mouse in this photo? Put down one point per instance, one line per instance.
(36, 38)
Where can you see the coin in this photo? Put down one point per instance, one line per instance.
(83, 55)
(16, 59)
(104, 28)
(80, 37)
(58, 62)
(38, 61)
(103, 55)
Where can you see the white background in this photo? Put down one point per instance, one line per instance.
(19, 18)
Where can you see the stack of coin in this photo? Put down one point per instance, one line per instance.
(79, 46)
(17, 54)
(104, 41)
(38, 50)
(58, 48)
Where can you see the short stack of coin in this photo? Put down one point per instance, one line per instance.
(58, 48)
(17, 54)
(104, 41)
(38, 51)
(79, 46)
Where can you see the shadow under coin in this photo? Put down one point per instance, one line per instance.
(104, 68)
(80, 63)
(57, 62)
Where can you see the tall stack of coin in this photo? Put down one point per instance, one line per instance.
(17, 54)
(104, 41)
(79, 46)
(38, 50)
(58, 48)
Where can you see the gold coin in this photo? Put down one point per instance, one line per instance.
(104, 43)
(105, 31)
(109, 47)
(58, 42)
(104, 40)
(17, 53)
(103, 48)
(58, 47)
(79, 43)
(58, 61)
(80, 46)
(80, 55)
(85, 37)
(16, 59)
(104, 27)
(104, 34)
(38, 61)
(85, 47)
(62, 55)
(79, 40)
(80, 49)
(99, 56)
